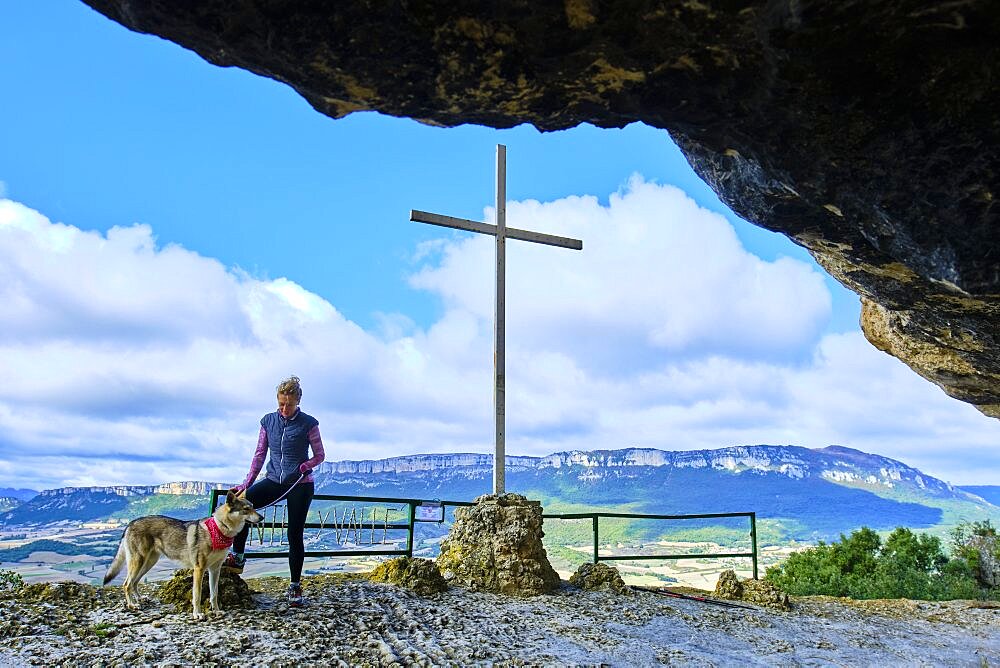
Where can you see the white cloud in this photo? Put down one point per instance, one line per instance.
(142, 364)
(658, 276)
(60, 283)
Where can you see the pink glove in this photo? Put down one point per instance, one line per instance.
(304, 469)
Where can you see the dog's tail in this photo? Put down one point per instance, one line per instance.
(116, 564)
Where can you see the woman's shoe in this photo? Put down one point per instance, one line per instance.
(295, 597)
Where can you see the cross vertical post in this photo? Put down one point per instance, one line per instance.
(500, 363)
(501, 233)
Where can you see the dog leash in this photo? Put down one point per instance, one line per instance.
(287, 491)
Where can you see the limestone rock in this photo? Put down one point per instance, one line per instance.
(420, 575)
(60, 592)
(233, 591)
(988, 561)
(864, 131)
(496, 546)
(728, 586)
(759, 592)
(350, 621)
(599, 577)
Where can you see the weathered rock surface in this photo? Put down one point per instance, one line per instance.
(350, 621)
(760, 592)
(420, 575)
(233, 591)
(865, 132)
(599, 577)
(496, 546)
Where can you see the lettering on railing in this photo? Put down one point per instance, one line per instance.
(349, 527)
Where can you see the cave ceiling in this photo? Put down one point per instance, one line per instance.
(866, 132)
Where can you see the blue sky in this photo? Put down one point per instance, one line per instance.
(176, 237)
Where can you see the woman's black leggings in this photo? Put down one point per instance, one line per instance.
(266, 491)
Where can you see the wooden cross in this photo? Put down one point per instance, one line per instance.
(502, 233)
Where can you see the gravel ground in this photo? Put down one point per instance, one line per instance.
(351, 621)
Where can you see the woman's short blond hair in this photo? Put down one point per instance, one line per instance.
(290, 387)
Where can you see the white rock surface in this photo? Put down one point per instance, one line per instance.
(355, 622)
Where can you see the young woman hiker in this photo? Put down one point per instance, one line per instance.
(286, 434)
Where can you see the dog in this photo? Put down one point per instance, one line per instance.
(200, 545)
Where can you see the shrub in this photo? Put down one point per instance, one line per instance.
(10, 581)
(906, 565)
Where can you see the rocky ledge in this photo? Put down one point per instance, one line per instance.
(864, 131)
(353, 621)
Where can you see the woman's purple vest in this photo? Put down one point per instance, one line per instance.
(288, 443)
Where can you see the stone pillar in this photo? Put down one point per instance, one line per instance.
(496, 546)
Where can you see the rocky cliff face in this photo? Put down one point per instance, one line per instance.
(834, 463)
(863, 131)
(188, 487)
(8, 502)
(414, 463)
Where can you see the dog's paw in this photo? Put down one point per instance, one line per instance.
(198, 616)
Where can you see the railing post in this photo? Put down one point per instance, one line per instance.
(409, 535)
(753, 542)
(212, 500)
(595, 538)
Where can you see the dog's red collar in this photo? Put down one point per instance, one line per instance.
(220, 541)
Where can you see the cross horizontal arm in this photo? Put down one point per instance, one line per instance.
(448, 221)
(486, 228)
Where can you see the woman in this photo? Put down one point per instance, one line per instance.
(286, 434)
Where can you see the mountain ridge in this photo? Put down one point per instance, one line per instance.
(842, 463)
(989, 493)
(17, 493)
(807, 493)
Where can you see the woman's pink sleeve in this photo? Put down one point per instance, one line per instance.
(316, 441)
(258, 458)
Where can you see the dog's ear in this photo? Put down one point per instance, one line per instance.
(230, 497)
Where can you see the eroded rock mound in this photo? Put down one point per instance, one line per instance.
(599, 577)
(759, 592)
(233, 591)
(420, 575)
(60, 592)
(496, 546)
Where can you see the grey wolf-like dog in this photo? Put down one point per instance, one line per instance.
(191, 543)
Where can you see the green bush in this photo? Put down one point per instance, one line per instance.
(10, 581)
(862, 566)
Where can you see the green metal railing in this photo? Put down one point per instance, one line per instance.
(411, 521)
(413, 504)
(595, 517)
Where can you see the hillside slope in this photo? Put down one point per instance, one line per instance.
(797, 493)
(807, 494)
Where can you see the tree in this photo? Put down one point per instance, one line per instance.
(906, 565)
(978, 545)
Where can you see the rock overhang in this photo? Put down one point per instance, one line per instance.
(864, 132)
